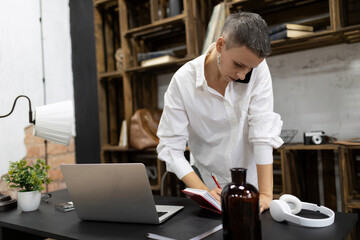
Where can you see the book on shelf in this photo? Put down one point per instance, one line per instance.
(151, 55)
(178, 51)
(203, 198)
(290, 26)
(288, 34)
(158, 60)
(215, 25)
(319, 21)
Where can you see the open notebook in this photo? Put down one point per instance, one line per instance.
(114, 192)
(203, 198)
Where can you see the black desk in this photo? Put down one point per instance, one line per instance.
(191, 221)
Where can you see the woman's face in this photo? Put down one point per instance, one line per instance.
(235, 62)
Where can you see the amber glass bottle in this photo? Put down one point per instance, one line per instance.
(240, 208)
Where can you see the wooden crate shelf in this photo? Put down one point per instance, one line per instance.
(142, 26)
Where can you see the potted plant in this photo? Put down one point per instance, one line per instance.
(29, 180)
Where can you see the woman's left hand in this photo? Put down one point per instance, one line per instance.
(264, 202)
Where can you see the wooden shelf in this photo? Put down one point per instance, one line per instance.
(158, 26)
(301, 38)
(314, 40)
(301, 146)
(318, 39)
(162, 67)
(270, 5)
(110, 75)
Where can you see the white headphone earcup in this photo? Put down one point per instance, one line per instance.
(278, 210)
(293, 202)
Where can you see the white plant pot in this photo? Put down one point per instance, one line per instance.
(29, 201)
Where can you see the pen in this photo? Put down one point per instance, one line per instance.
(216, 182)
(157, 237)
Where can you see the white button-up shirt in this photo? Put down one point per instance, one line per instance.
(238, 129)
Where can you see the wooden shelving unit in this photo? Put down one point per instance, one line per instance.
(141, 26)
(137, 26)
(334, 21)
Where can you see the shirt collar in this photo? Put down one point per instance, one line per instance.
(200, 69)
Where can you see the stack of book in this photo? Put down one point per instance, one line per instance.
(159, 57)
(157, 60)
(289, 30)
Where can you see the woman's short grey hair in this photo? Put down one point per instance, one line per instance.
(247, 29)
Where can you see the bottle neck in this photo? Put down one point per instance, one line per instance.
(238, 175)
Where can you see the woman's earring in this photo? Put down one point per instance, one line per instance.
(218, 60)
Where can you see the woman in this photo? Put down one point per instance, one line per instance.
(221, 103)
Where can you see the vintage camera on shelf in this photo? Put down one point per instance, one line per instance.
(316, 138)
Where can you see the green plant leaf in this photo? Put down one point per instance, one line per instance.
(27, 177)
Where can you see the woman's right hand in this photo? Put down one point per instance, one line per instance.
(192, 180)
(216, 193)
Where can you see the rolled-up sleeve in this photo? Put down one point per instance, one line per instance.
(264, 125)
(173, 133)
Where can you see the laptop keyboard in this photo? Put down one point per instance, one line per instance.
(161, 213)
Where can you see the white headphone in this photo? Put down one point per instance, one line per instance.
(288, 205)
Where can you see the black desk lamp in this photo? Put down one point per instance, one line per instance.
(52, 122)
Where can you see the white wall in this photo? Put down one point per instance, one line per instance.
(316, 89)
(319, 89)
(21, 66)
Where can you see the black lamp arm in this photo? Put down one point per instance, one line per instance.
(13, 107)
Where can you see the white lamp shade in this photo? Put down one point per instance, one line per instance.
(54, 122)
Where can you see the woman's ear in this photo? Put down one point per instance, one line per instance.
(220, 43)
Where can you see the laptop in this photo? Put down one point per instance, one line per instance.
(118, 192)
